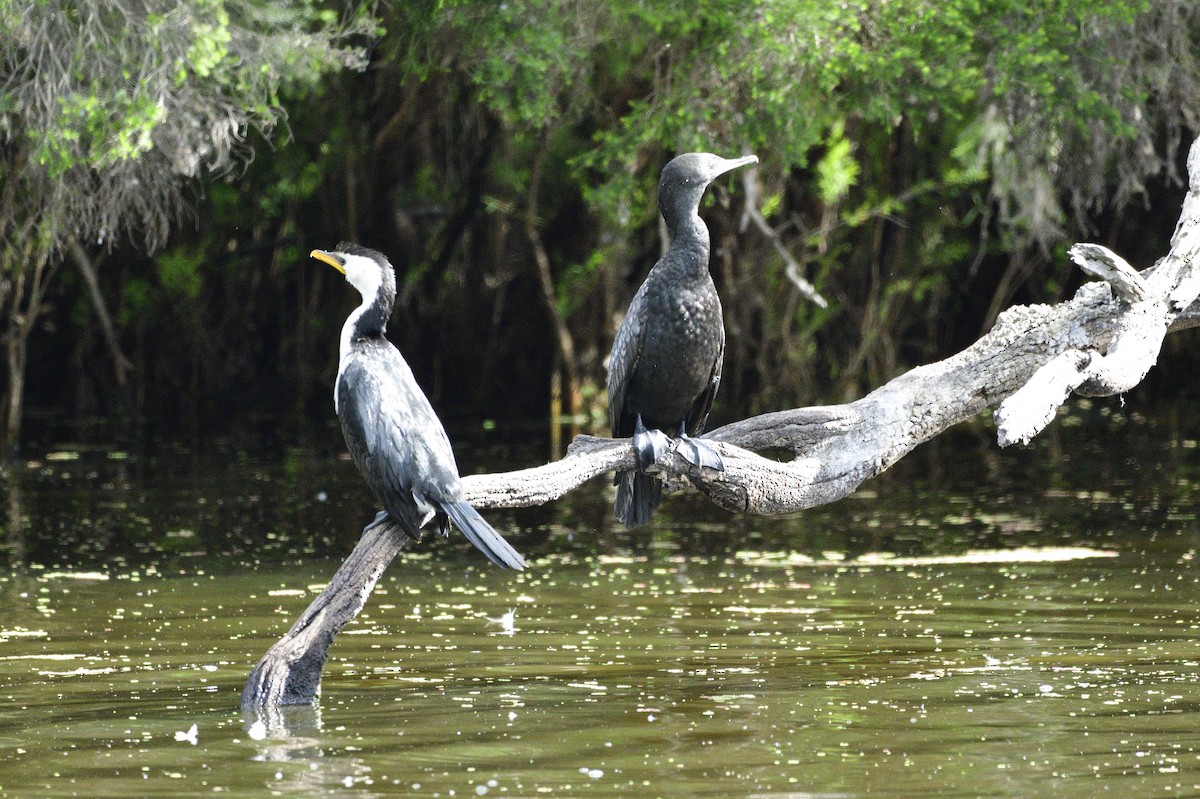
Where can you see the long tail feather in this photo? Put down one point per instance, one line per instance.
(481, 534)
(638, 495)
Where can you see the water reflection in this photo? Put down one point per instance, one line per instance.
(283, 725)
(292, 738)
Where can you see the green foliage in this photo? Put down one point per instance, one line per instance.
(837, 170)
(574, 283)
(210, 42)
(138, 301)
(179, 271)
(919, 163)
(110, 108)
(887, 134)
(116, 104)
(295, 177)
(778, 77)
(98, 131)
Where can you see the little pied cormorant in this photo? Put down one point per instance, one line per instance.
(665, 365)
(394, 437)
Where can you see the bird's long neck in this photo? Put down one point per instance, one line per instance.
(367, 321)
(690, 243)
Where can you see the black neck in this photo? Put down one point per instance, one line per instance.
(374, 315)
(679, 203)
(372, 322)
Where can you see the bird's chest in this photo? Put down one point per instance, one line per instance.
(685, 317)
(684, 339)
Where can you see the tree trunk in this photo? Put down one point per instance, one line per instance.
(1103, 341)
(29, 274)
(15, 349)
(566, 360)
(87, 270)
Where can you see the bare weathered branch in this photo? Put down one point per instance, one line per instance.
(794, 271)
(1103, 340)
(290, 672)
(1101, 262)
(1029, 363)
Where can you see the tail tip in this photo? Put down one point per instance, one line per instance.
(638, 495)
(484, 537)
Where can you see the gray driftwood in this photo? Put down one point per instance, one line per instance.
(290, 672)
(1103, 341)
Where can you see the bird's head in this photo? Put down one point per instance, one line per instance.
(685, 177)
(367, 270)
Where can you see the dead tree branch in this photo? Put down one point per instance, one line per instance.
(1103, 341)
(87, 270)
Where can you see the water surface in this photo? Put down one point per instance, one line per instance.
(975, 623)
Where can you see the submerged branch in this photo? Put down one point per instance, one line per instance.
(290, 672)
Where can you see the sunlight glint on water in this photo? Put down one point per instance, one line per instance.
(620, 676)
(936, 634)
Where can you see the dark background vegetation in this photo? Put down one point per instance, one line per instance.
(923, 165)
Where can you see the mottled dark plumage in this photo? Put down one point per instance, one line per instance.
(665, 365)
(391, 430)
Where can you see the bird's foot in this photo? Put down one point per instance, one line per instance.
(700, 453)
(650, 445)
(380, 518)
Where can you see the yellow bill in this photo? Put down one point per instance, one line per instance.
(329, 258)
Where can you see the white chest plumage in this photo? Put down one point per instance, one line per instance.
(364, 275)
(347, 341)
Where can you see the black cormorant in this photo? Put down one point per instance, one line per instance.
(394, 437)
(666, 360)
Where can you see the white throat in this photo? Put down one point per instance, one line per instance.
(364, 275)
(344, 348)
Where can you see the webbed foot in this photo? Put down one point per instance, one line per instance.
(699, 453)
(380, 518)
(650, 445)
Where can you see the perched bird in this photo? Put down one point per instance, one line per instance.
(394, 437)
(665, 365)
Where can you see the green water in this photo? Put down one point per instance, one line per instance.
(975, 623)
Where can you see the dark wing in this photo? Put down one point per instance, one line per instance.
(698, 413)
(622, 363)
(394, 436)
